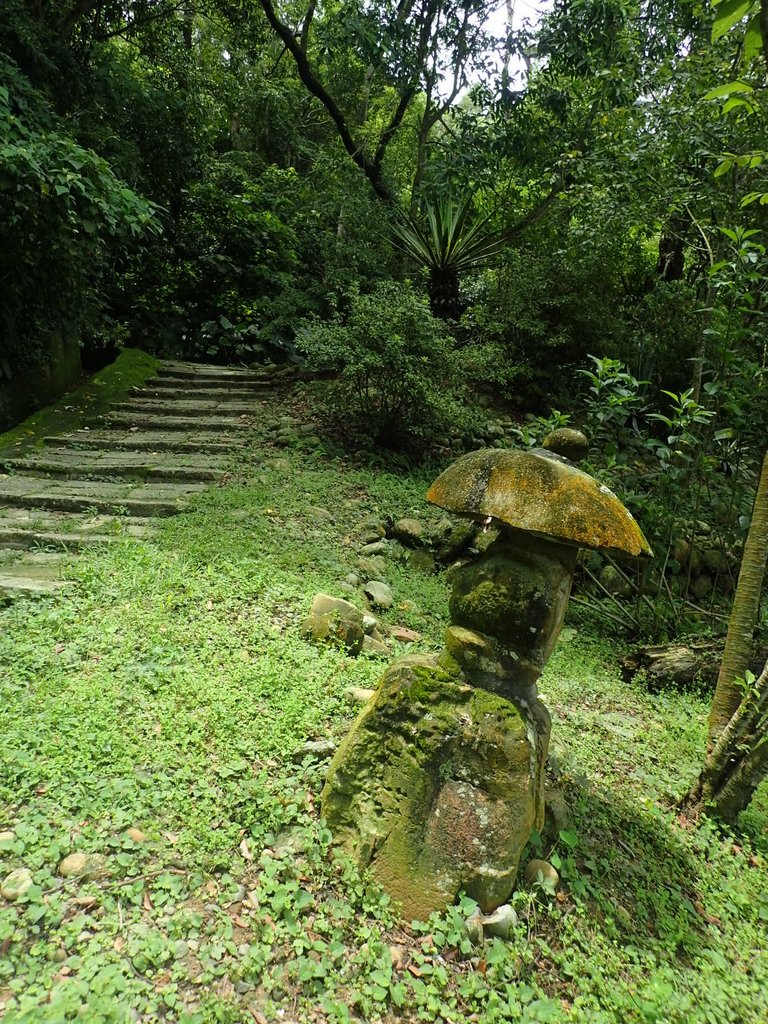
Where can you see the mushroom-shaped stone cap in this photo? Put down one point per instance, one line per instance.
(542, 493)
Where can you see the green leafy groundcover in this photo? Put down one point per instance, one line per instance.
(154, 715)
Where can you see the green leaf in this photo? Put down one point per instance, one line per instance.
(569, 837)
(727, 89)
(737, 101)
(729, 13)
(753, 38)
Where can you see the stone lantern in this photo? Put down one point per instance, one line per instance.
(438, 784)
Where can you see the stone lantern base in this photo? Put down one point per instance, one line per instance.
(437, 786)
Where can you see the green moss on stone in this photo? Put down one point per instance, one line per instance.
(93, 398)
(436, 787)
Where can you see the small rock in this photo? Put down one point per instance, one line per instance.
(484, 538)
(16, 884)
(422, 561)
(353, 579)
(409, 532)
(379, 547)
(569, 443)
(614, 582)
(374, 566)
(501, 922)
(136, 835)
(716, 560)
(379, 594)
(359, 694)
(701, 586)
(372, 530)
(181, 950)
(334, 619)
(541, 873)
(292, 841)
(403, 634)
(373, 646)
(83, 865)
(555, 811)
(474, 928)
(370, 622)
(318, 748)
(459, 539)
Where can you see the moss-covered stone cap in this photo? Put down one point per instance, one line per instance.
(542, 493)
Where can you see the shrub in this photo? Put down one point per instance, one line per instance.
(396, 381)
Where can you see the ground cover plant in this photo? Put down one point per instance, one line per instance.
(155, 718)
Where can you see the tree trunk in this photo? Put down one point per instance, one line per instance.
(444, 293)
(738, 762)
(737, 748)
(746, 607)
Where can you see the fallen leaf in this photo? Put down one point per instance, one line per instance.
(136, 835)
(147, 901)
(86, 901)
(240, 922)
(59, 648)
(414, 970)
(245, 850)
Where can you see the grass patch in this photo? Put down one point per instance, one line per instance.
(91, 400)
(154, 717)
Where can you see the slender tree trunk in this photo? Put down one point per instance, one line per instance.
(738, 762)
(737, 749)
(746, 607)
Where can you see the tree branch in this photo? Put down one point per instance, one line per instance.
(370, 169)
(81, 10)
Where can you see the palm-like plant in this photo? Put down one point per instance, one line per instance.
(447, 244)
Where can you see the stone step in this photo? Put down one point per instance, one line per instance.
(185, 407)
(209, 390)
(25, 540)
(207, 424)
(15, 585)
(30, 574)
(77, 496)
(223, 375)
(14, 521)
(100, 464)
(134, 440)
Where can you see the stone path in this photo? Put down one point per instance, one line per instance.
(169, 441)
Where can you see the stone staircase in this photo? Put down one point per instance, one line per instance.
(170, 440)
